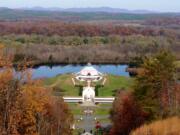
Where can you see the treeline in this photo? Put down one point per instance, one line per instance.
(79, 29)
(86, 40)
(74, 49)
(164, 22)
(44, 54)
(56, 42)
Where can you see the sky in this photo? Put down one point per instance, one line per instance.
(154, 5)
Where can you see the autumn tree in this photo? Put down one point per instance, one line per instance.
(126, 114)
(28, 108)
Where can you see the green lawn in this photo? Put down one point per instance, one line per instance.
(63, 84)
(114, 83)
(102, 111)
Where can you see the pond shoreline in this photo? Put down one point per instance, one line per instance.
(53, 70)
(51, 64)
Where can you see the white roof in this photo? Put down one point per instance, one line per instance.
(89, 70)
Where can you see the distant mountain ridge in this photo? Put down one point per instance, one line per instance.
(91, 9)
(79, 14)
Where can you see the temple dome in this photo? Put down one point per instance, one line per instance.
(89, 71)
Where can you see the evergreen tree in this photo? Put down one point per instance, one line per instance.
(154, 87)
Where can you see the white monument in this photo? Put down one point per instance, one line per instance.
(89, 75)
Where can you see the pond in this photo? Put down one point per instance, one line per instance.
(52, 71)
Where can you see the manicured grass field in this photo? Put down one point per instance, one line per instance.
(113, 84)
(63, 84)
(102, 109)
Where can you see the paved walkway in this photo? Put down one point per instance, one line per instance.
(87, 123)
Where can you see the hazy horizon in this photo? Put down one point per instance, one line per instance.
(158, 5)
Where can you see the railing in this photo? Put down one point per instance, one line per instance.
(104, 100)
(80, 99)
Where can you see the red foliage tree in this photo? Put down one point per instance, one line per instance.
(126, 114)
(73, 29)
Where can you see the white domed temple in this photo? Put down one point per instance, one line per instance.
(89, 73)
(89, 76)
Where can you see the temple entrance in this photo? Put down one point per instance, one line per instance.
(88, 94)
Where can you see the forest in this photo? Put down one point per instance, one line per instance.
(61, 42)
(60, 28)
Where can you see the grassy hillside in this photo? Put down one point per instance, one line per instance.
(169, 126)
(62, 84)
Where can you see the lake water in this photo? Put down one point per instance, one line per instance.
(47, 71)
